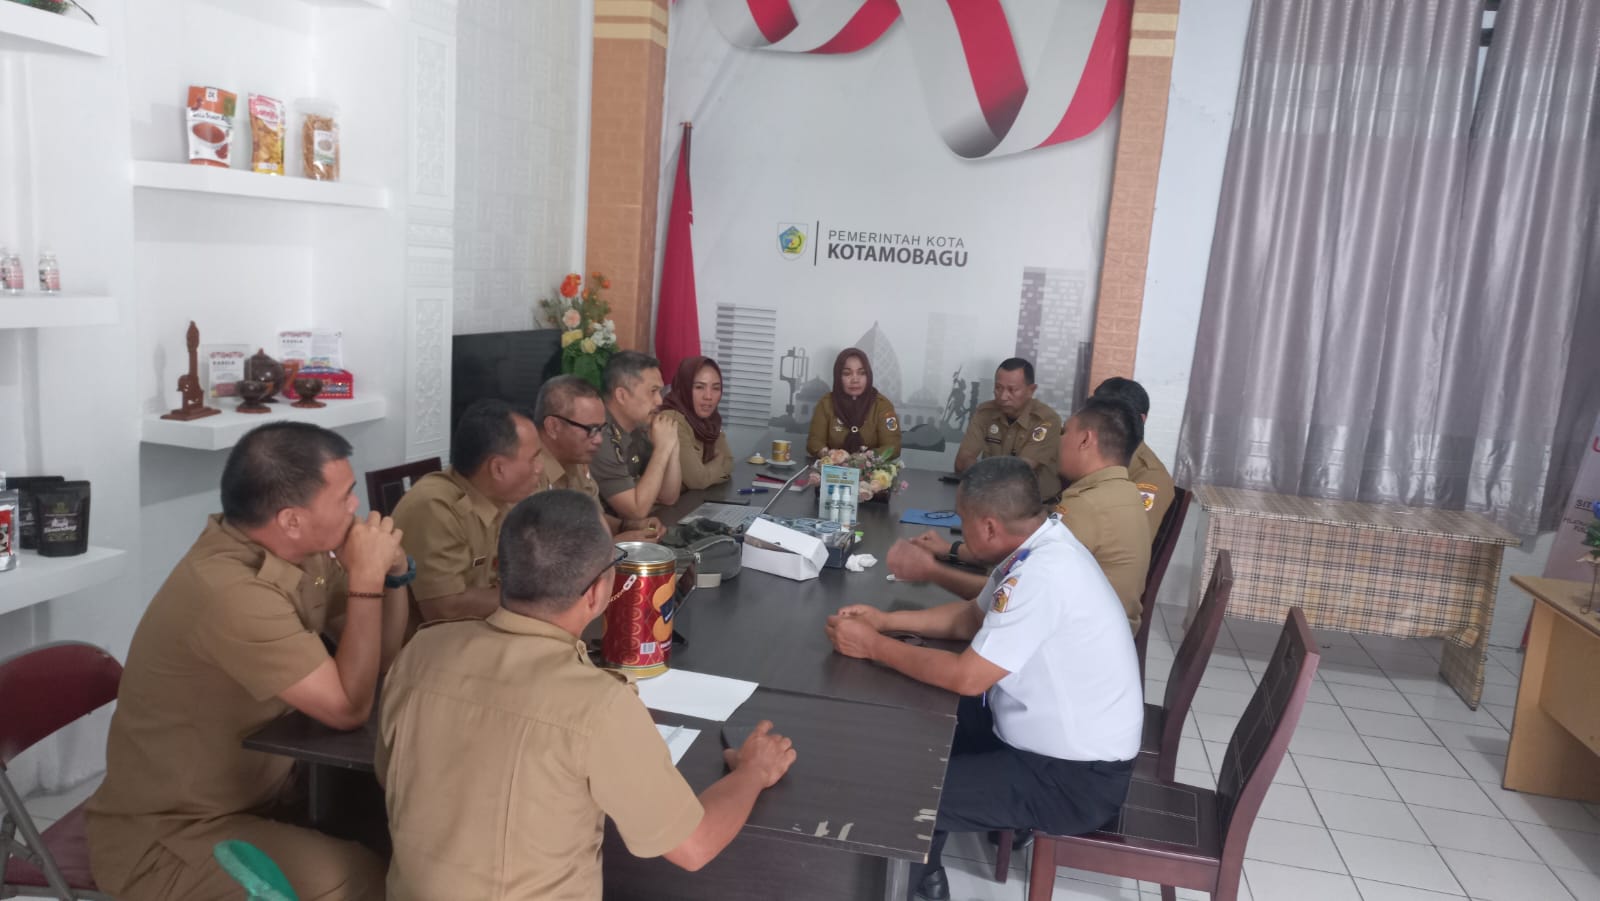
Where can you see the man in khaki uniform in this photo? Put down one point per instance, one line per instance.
(1146, 470)
(451, 519)
(637, 466)
(1015, 424)
(1101, 505)
(230, 643)
(530, 747)
(1102, 509)
(571, 419)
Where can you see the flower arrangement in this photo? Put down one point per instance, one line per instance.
(879, 472)
(588, 336)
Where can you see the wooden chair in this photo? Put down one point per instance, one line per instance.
(385, 487)
(42, 691)
(1163, 723)
(1186, 836)
(1160, 555)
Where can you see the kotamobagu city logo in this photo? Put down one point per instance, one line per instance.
(791, 240)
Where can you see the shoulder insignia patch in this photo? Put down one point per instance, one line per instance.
(1148, 492)
(1002, 595)
(1040, 433)
(891, 424)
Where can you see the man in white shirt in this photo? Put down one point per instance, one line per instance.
(1049, 723)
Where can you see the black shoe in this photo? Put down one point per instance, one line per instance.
(934, 887)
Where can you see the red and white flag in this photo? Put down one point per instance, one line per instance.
(677, 311)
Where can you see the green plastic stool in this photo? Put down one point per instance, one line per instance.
(253, 869)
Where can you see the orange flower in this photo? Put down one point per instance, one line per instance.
(569, 286)
(605, 283)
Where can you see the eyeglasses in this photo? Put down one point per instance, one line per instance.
(588, 430)
(615, 562)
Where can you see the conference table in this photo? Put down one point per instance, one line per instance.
(856, 809)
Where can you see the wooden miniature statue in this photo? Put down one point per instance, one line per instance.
(194, 398)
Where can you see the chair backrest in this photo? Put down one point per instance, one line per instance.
(46, 688)
(385, 487)
(1194, 652)
(1161, 548)
(1262, 736)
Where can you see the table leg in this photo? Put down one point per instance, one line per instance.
(317, 802)
(1544, 757)
(897, 879)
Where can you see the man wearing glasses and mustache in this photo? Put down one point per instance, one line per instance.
(572, 419)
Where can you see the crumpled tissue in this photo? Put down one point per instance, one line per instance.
(859, 562)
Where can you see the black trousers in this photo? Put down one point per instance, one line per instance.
(990, 785)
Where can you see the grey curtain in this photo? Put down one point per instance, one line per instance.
(1393, 292)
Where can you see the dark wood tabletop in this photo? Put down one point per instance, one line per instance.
(872, 744)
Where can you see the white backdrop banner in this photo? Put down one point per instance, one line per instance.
(1567, 552)
(925, 180)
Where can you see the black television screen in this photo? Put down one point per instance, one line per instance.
(507, 365)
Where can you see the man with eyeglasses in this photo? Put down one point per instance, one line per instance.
(637, 466)
(571, 418)
(1014, 424)
(530, 747)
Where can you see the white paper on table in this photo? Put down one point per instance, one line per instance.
(695, 694)
(678, 739)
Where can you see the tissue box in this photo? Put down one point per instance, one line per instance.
(781, 551)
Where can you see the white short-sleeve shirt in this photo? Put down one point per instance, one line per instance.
(1053, 622)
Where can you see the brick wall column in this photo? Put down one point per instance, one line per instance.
(630, 69)
(1133, 189)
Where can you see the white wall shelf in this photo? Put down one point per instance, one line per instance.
(53, 310)
(26, 28)
(38, 579)
(224, 430)
(376, 4)
(239, 183)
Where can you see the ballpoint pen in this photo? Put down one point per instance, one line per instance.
(754, 490)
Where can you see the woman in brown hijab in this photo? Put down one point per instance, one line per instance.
(855, 416)
(703, 452)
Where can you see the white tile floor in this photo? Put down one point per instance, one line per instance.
(1391, 791)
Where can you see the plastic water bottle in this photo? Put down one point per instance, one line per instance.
(830, 505)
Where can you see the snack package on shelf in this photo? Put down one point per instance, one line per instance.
(63, 519)
(337, 384)
(319, 139)
(209, 120)
(266, 134)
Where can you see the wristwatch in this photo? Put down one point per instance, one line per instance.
(955, 551)
(405, 578)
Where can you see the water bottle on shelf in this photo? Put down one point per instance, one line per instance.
(49, 273)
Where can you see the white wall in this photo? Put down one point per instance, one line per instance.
(1205, 82)
(518, 165)
(68, 396)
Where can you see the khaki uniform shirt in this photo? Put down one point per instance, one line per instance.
(502, 750)
(452, 531)
(1155, 485)
(881, 431)
(621, 459)
(1105, 513)
(697, 473)
(233, 626)
(1035, 436)
(572, 476)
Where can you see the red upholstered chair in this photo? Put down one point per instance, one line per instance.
(1163, 723)
(1185, 836)
(385, 487)
(1160, 555)
(41, 691)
